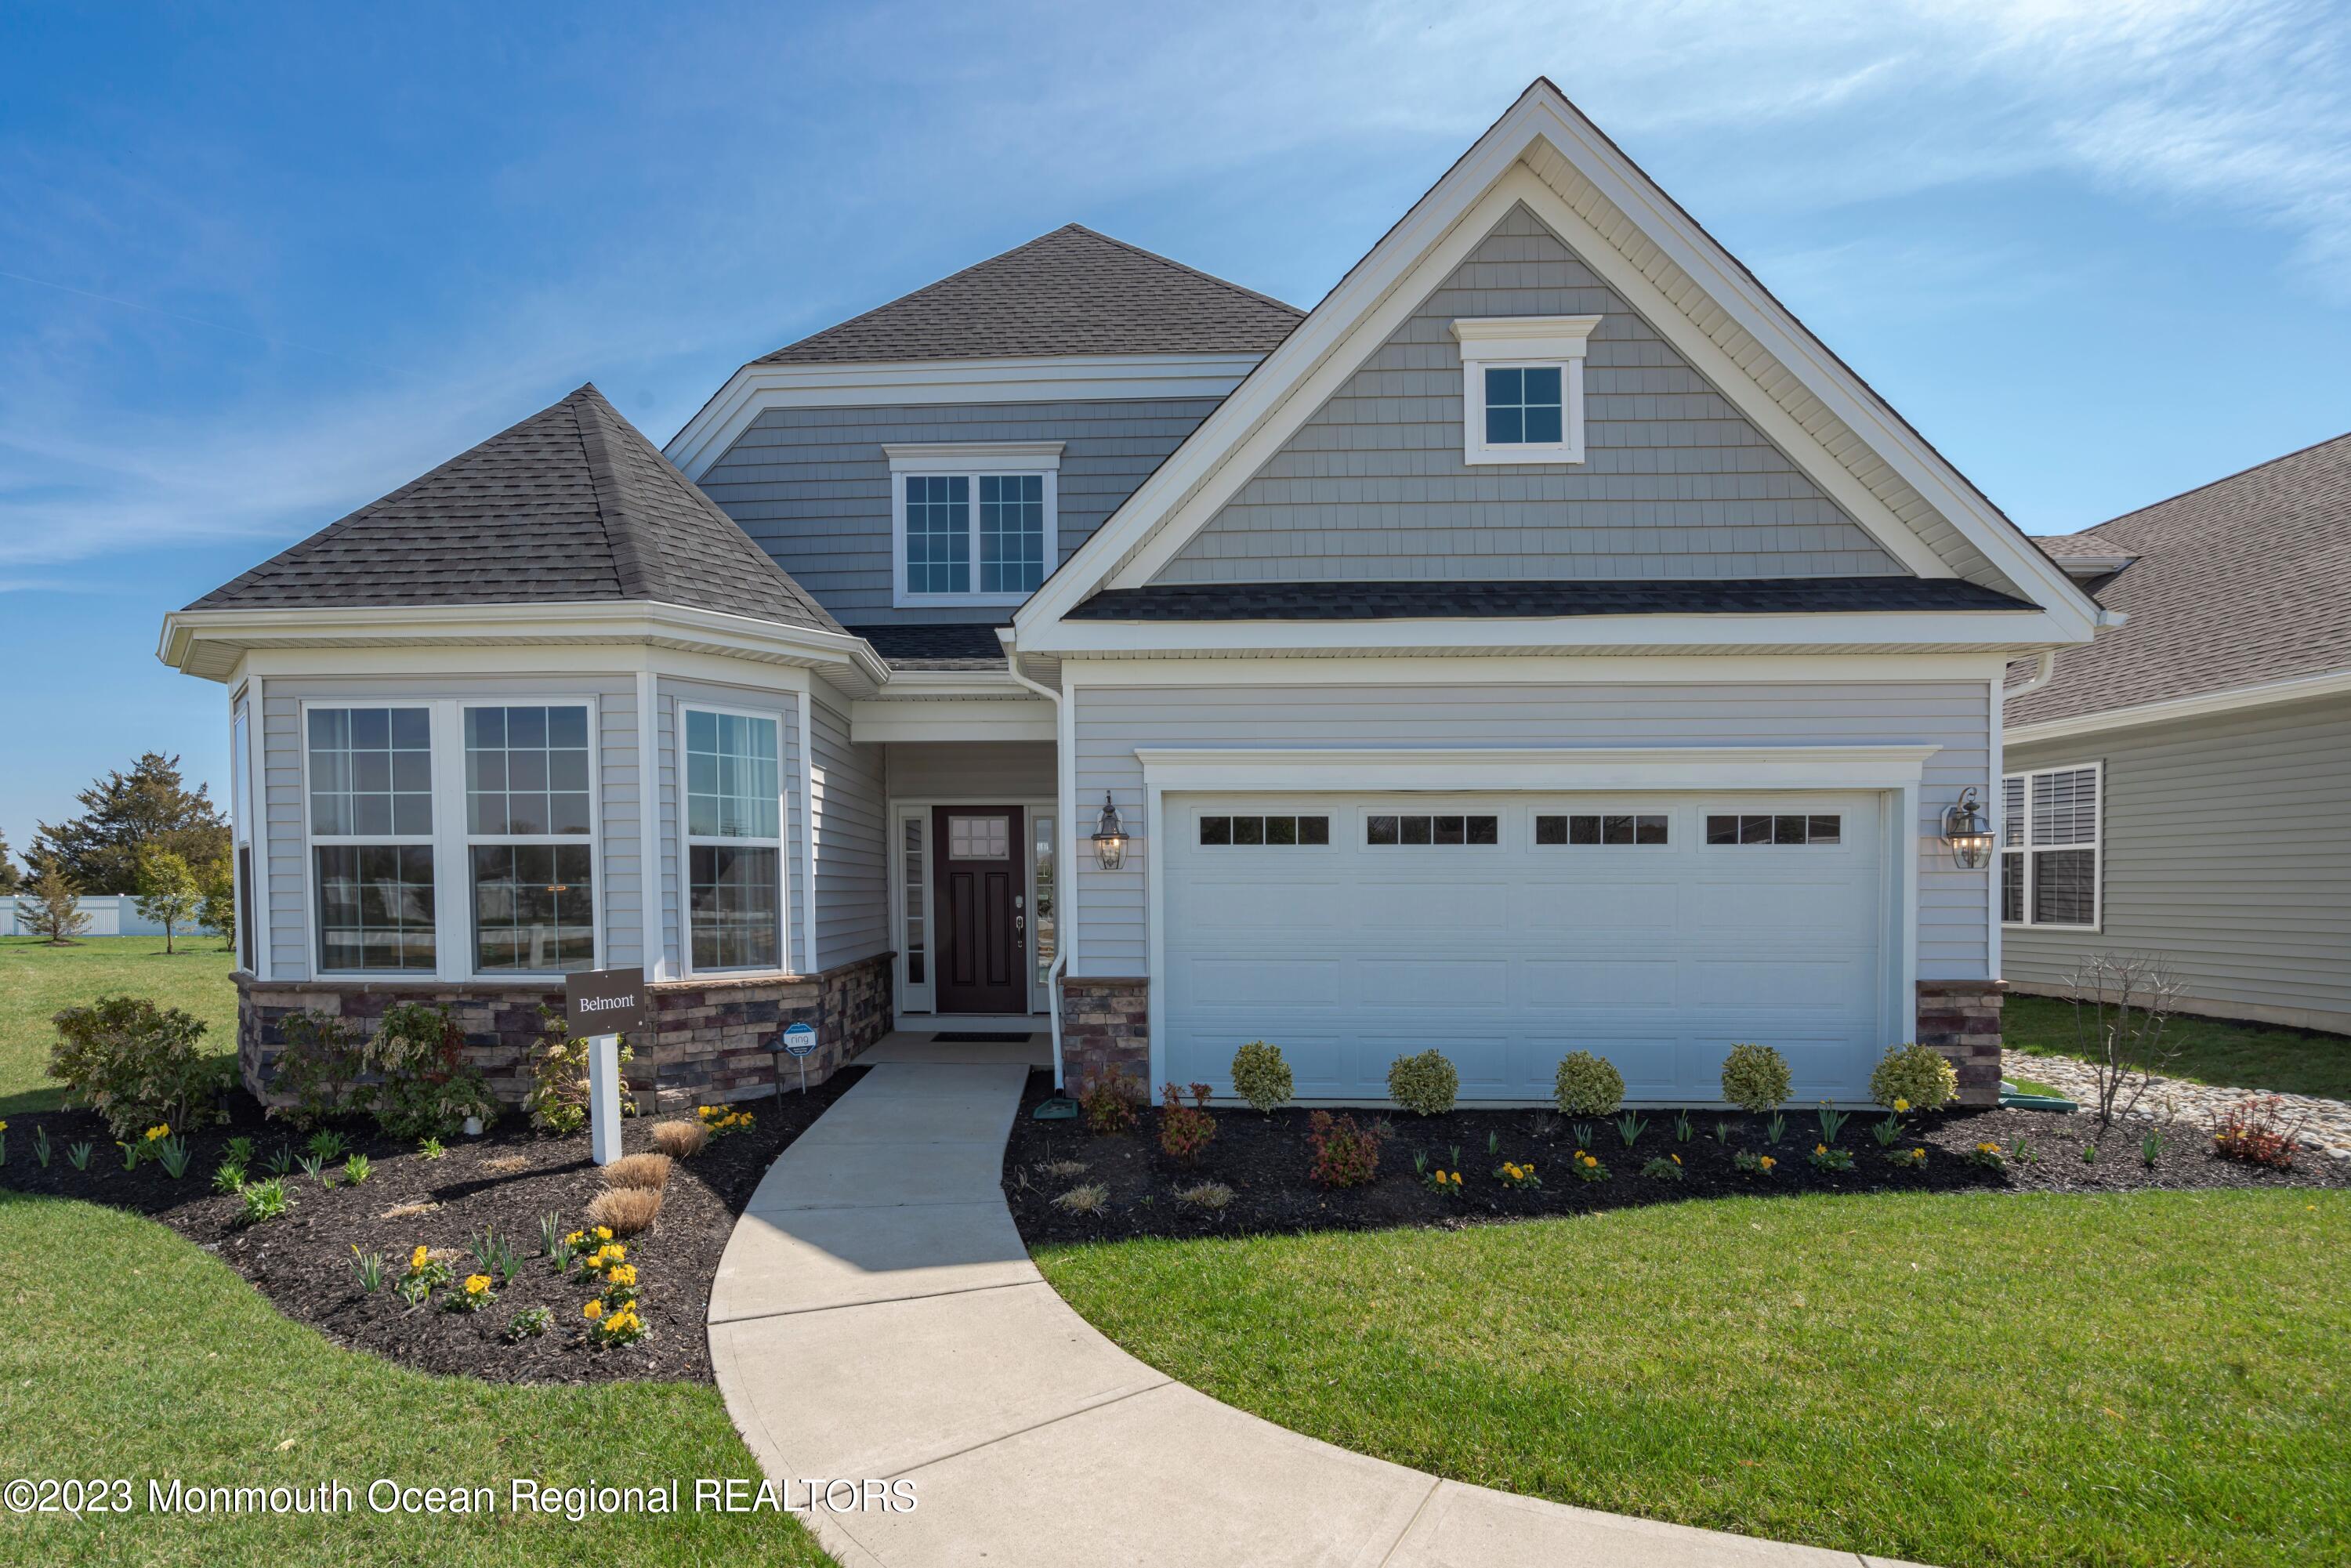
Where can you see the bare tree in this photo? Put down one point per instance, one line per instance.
(2122, 1006)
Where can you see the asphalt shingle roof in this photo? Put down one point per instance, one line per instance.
(2243, 581)
(1071, 291)
(1469, 600)
(957, 646)
(571, 506)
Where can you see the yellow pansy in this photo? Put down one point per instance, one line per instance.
(592, 1311)
(476, 1284)
(416, 1258)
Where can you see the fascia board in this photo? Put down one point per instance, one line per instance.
(1450, 768)
(2299, 688)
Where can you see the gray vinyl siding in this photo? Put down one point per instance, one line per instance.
(671, 697)
(997, 773)
(2227, 850)
(1111, 907)
(812, 484)
(1675, 484)
(845, 790)
(282, 849)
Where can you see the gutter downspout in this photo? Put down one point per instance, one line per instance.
(1064, 873)
(2045, 670)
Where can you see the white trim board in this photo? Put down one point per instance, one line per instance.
(2236, 699)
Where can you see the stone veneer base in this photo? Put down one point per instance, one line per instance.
(1961, 1019)
(712, 1039)
(1105, 1032)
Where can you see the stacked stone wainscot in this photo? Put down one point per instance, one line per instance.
(1961, 1019)
(1105, 1031)
(712, 1041)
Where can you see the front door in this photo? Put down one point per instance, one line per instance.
(982, 907)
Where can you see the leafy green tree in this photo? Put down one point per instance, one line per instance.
(50, 904)
(218, 884)
(168, 892)
(11, 879)
(122, 814)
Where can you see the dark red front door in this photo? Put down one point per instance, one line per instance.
(982, 902)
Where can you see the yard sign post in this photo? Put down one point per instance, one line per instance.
(601, 1004)
(799, 1041)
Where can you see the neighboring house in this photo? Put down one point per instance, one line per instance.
(2179, 787)
(1543, 643)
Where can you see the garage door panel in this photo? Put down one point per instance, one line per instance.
(1598, 983)
(1434, 983)
(1265, 982)
(1481, 1058)
(1815, 905)
(1772, 985)
(1580, 907)
(1435, 904)
(1649, 1063)
(1296, 903)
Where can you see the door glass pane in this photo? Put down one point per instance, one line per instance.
(979, 838)
(1046, 904)
(917, 933)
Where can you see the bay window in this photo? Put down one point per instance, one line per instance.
(2049, 839)
(734, 829)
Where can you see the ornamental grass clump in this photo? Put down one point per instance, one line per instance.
(1184, 1130)
(1209, 1195)
(1755, 1078)
(1092, 1197)
(1261, 1076)
(1587, 1085)
(650, 1170)
(625, 1210)
(1346, 1155)
(1425, 1084)
(680, 1140)
(1914, 1075)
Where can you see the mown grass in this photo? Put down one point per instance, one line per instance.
(129, 1351)
(2230, 1055)
(37, 979)
(1987, 1379)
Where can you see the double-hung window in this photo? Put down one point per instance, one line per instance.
(2048, 844)
(369, 780)
(734, 834)
(528, 825)
(1522, 387)
(973, 522)
(240, 806)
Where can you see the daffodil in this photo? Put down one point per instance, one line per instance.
(1900, 1105)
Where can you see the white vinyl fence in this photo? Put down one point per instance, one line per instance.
(111, 915)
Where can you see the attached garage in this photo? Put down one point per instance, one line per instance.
(1507, 929)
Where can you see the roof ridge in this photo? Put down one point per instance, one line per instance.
(631, 567)
(2211, 484)
(1242, 289)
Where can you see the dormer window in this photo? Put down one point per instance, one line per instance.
(1522, 387)
(973, 522)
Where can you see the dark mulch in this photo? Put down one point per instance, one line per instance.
(302, 1263)
(1265, 1159)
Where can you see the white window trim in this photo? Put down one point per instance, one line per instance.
(971, 460)
(450, 839)
(687, 839)
(2097, 844)
(1508, 342)
(243, 899)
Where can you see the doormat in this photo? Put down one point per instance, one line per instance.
(976, 1036)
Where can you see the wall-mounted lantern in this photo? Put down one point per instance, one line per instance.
(1110, 837)
(1966, 830)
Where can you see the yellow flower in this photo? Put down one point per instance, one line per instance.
(592, 1311)
(603, 1233)
(1769, 1162)
(416, 1258)
(622, 1274)
(1987, 1148)
(1678, 1159)
(1820, 1148)
(475, 1284)
(1900, 1105)
(575, 1238)
(4, 1126)
(162, 1131)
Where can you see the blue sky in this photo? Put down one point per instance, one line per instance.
(261, 265)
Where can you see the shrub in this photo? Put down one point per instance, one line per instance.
(625, 1210)
(1110, 1102)
(425, 1086)
(1918, 1074)
(1346, 1155)
(650, 1170)
(557, 1101)
(1261, 1076)
(1092, 1198)
(1425, 1083)
(1588, 1086)
(319, 1064)
(1209, 1195)
(1755, 1078)
(2253, 1130)
(135, 1064)
(1184, 1130)
(680, 1140)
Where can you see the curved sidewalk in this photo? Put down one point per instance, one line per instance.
(877, 1315)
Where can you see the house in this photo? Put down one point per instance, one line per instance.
(1545, 643)
(2177, 788)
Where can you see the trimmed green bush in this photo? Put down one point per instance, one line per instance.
(1425, 1083)
(1755, 1078)
(1588, 1086)
(136, 1064)
(1918, 1074)
(1261, 1076)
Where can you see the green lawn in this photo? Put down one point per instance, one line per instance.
(2234, 1056)
(37, 979)
(131, 1353)
(1981, 1379)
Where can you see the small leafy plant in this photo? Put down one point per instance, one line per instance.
(1261, 1076)
(1425, 1084)
(1184, 1130)
(1753, 1164)
(1829, 1158)
(1109, 1104)
(281, 1163)
(1682, 1131)
(1583, 1133)
(1722, 1130)
(477, 1291)
(78, 1155)
(495, 1253)
(229, 1176)
(2089, 1153)
(721, 1120)
(608, 1327)
(1493, 1143)
(1887, 1132)
(429, 1149)
(1832, 1122)
(528, 1324)
(1630, 1127)
(366, 1267)
(1516, 1176)
(1987, 1154)
(1909, 1159)
(264, 1201)
(1346, 1155)
(315, 1169)
(2254, 1132)
(1664, 1168)
(1443, 1183)
(41, 1147)
(2151, 1147)
(1586, 1166)
(172, 1153)
(1775, 1129)
(424, 1275)
(327, 1145)
(239, 1151)
(356, 1170)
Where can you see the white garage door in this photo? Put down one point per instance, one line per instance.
(1655, 930)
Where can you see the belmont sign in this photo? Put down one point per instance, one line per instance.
(606, 1002)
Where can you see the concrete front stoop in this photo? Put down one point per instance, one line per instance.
(876, 1316)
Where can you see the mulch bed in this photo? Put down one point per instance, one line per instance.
(1265, 1159)
(506, 1179)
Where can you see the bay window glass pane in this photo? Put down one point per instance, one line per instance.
(734, 898)
(1012, 532)
(370, 772)
(534, 908)
(938, 533)
(527, 770)
(375, 906)
(730, 776)
(2063, 886)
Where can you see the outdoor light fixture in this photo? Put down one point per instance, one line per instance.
(1110, 837)
(1967, 831)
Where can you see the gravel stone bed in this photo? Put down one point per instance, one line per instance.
(2325, 1124)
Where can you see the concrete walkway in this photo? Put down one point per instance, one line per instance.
(877, 1315)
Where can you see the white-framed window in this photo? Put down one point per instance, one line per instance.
(368, 789)
(973, 522)
(240, 811)
(1432, 830)
(1522, 387)
(2052, 820)
(529, 838)
(733, 840)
